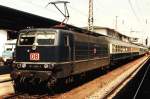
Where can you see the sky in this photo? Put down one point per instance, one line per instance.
(133, 17)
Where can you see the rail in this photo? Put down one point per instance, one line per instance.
(24, 95)
(139, 87)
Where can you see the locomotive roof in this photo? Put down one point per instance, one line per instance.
(59, 29)
(38, 29)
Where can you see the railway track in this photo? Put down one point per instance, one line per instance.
(13, 96)
(26, 96)
(128, 79)
(104, 86)
(142, 91)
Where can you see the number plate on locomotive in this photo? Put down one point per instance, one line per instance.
(34, 56)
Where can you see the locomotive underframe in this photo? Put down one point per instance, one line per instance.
(60, 70)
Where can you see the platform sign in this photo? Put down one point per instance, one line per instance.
(34, 56)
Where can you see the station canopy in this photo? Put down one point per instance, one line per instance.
(14, 20)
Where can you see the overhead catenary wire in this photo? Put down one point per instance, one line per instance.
(141, 20)
(132, 9)
(43, 7)
(140, 13)
(98, 6)
(138, 6)
(78, 11)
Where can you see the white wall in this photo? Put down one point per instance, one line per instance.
(101, 31)
(3, 39)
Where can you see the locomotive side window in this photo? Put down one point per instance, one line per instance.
(45, 39)
(66, 40)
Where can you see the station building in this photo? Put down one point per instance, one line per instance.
(111, 33)
(6, 36)
(3, 40)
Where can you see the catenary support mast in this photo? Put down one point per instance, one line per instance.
(90, 17)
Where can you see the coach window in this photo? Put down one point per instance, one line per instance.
(116, 48)
(113, 48)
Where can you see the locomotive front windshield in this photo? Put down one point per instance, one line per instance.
(44, 38)
(26, 40)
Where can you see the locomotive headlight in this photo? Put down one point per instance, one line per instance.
(45, 66)
(51, 66)
(19, 65)
(23, 65)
